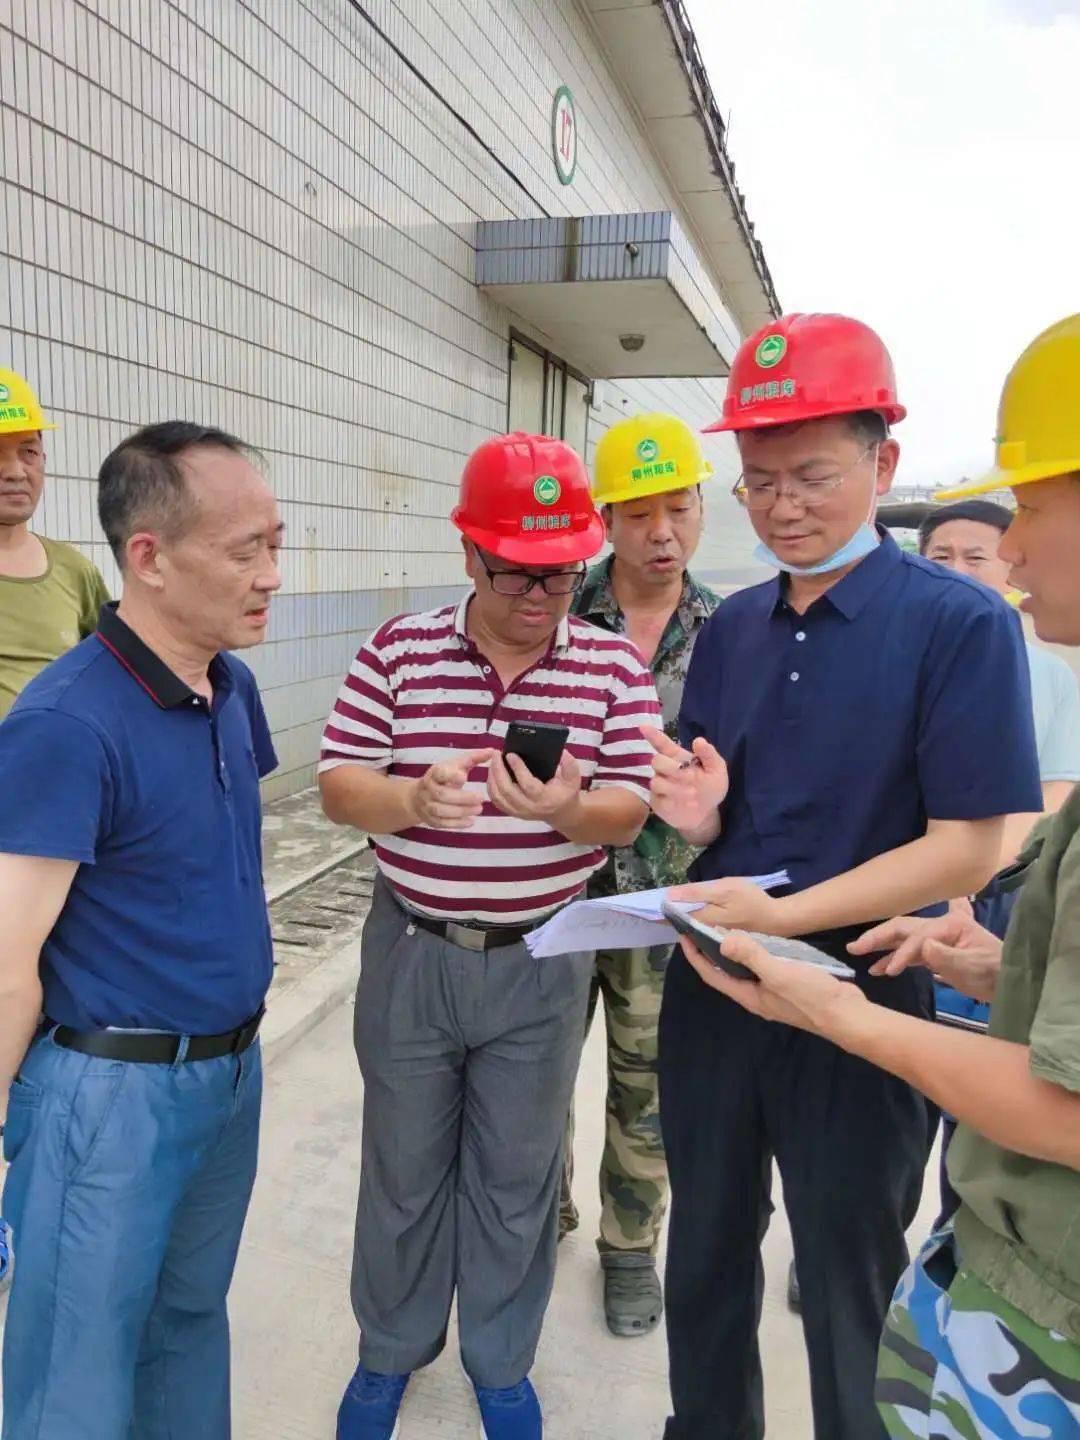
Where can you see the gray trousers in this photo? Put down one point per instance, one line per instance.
(468, 1061)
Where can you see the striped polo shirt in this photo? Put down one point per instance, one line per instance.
(420, 691)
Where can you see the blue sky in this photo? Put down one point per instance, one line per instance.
(913, 162)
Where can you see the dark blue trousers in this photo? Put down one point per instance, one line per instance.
(851, 1144)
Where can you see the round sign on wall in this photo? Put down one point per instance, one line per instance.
(564, 137)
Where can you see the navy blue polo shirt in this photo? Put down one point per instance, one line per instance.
(901, 695)
(109, 759)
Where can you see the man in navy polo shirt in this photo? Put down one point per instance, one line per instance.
(864, 722)
(132, 916)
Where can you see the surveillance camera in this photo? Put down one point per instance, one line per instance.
(632, 343)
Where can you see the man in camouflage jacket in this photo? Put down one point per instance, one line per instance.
(644, 591)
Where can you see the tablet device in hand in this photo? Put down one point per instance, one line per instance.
(708, 940)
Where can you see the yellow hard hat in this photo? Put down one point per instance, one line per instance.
(19, 408)
(646, 455)
(1039, 416)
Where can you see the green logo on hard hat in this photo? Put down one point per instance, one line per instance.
(771, 351)
(648, 450)
(5, 394)
(547, 489)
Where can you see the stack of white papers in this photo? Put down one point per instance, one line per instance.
(617, 922)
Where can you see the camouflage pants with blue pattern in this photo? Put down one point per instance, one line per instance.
(633, 1170)
(958, 1362)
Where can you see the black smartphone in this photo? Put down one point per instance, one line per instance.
(709, 941)
(539, 745)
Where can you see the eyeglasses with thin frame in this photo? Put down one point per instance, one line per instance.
(763, 494)
(521, 582)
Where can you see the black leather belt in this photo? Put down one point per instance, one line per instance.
(156, 1049)
(472, 937)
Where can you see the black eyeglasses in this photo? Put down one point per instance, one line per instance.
(520, 582)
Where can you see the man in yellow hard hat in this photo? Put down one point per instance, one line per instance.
(647, 482)
(965, 536)
(983, 1336)
(50, 594)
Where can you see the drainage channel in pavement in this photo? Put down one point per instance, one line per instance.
(315, 921)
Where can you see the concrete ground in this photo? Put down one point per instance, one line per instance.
(299, 842)
(294, 1337)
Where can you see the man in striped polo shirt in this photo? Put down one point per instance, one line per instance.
(468, 1047)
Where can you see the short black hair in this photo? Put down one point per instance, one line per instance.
(981, 512)
(141, 483)
(869, 427)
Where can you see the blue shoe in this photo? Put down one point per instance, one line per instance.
(369, 1408)
(510, 1414)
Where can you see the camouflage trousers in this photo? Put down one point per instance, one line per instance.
(633, 1171)
(958, 1362)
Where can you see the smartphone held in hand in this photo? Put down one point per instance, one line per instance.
(540, 746)
(709, 940)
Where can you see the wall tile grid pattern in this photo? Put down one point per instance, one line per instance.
(252, 214)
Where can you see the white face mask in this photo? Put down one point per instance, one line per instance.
(864, 542)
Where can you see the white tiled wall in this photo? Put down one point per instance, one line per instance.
(253, 213)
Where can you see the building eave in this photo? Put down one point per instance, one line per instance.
(620, 296)
(655, 55)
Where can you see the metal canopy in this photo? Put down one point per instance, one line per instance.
(621, 296)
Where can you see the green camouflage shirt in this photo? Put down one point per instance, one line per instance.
(1018, 1228)
(659, 856)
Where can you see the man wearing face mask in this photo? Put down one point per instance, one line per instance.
(864, 722)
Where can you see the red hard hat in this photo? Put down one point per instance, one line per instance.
(526, 498)
(806, 367)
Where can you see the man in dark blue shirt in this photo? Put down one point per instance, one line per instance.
(133, 918)
(863, 722)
